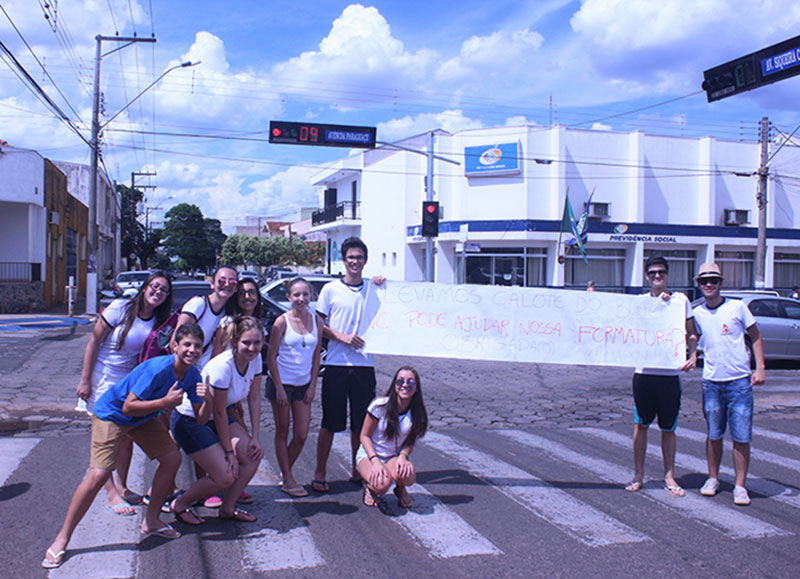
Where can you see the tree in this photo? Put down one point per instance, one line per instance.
(231, 253)
(192, 237)
(132, 231)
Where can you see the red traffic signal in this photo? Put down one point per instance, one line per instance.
(430, 218)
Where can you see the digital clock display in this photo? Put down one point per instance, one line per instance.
(323, 135)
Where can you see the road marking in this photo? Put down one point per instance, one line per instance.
(787, 438)
(579, 520)
(755, 454)
(283, 541)
(104, 545)
(730, 521)
(437, 528)
(12, 451)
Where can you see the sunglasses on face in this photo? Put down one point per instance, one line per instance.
(225, 281)
(402, 382)
(159, 289)
(710, 280)
(355, 258)
(250, 293)
(655, 272)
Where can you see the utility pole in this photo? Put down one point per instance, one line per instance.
(761, 202)
(95, 261)
(429, 260)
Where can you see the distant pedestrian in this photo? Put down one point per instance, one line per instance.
(294, 360)
(657, 391)
(795, 295)
(349, 371)
(722, 324)
(111, 354)
(130, 408)
(219, 444)
(590, 287)
(391, 428)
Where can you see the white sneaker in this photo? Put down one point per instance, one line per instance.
(710, 488)
(740, 496)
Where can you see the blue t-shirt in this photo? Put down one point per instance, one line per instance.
(150, 380)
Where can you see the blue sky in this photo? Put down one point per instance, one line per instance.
(404, 66)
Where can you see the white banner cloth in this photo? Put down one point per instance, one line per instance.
(523, 325)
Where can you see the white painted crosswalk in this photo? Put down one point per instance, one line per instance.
(287, 536)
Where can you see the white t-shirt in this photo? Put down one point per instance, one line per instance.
(113, 365)
(342, 306)
(679, 297)
(223, 374)
(722, 331)
(387, 447)
(296, 354)
(208, 319)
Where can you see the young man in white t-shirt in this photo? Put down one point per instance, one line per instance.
(657, 391)
(349, 372)
(727, 384)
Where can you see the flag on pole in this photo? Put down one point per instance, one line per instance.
(583, 222)
(568, 225)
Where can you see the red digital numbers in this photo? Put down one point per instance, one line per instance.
(309, 134)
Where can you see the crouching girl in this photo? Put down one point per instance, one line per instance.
(391, 428)
(223, 447)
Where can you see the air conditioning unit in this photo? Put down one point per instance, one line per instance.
(600, 211)
(55, 218)
(737, 216)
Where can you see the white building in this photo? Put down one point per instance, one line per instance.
(691, 200)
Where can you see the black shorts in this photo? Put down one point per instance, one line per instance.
(293, 393)
(657, 395)
(343, 383)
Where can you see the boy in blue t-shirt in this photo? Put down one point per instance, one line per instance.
(128, 408)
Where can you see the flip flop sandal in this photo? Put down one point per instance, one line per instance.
(198, 520)
(133, 498)
(403, 498)
(370, 499)
(122, 506)
(165, 532)
(240, 515)
(320, 486)
(674, 490)
(58, 559)
(296, 492)
(634, 486)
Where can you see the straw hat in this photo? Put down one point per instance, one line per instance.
(708, 270)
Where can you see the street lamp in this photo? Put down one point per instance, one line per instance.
(95, 261)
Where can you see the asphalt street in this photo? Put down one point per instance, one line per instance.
(521, 475)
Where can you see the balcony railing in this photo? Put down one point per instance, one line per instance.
(20, 271)
(342, 210)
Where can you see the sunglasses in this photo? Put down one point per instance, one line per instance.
(709, 280)
(402, 382)
(159, 289)
(248, 293)
(224, 280)
(655, 272)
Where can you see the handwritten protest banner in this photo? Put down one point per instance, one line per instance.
(523, 325)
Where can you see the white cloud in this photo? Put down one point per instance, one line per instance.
(491, 54)
(449, 120)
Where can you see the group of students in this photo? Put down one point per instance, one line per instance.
(192, 399)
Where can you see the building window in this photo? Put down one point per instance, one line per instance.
(682, 266)
(503, 266)
(394, 258)
(736, 267)
(787, 271)
(606, 268)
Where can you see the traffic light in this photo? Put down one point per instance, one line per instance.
(430, 218)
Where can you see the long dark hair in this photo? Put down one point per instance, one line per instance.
(136, 304)
(419, 416)
(232, 306)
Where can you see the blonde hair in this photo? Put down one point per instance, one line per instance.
(240, 325)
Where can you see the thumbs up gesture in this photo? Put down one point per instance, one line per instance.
(204, 390)
(174, 396)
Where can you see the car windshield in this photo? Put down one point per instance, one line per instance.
(130, 276)
(278, 293)
(182, 293)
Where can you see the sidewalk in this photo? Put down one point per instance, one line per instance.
(53, 318)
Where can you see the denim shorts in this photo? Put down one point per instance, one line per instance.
(361, 454)
(729, 403)
(190, 435)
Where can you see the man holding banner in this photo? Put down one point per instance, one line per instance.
(349, 371)
(657, 391)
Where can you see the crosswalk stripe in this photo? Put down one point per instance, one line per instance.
(766, 487)
(787, 438)
(283, 541)
(755, 454)
(88, 554)
(12, 451)
(578, 519)
(734, 524)
(439, 530)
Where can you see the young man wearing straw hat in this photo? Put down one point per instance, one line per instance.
(727, 382)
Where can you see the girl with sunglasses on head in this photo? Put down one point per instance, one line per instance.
(293, 359)
(222, 447)
(111, 354)
(207, 311)
(392, 426)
